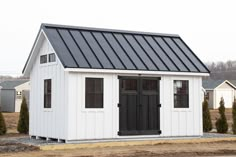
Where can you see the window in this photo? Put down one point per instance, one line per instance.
(207, 95)
(52, 57)
(149, 85)
(181, 94)
(129, 85)
(47, 93)
(18, 95)
(94, 93)
(43, 59)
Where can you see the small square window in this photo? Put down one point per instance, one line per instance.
(18, 95)
(43, 59)
(181, 94)
(52, 57)
(94, 93)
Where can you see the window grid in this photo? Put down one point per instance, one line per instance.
(94, 93)
(181, 94)
(43, 59)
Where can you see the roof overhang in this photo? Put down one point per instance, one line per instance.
(138, 72)
(33, 54)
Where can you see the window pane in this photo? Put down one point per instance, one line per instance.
(150, 85)
(90, 87)
(98, 100)
(181, 94)
(43, 59)
(98, 86)
(94, 93)
(52, 57)
(129, 84)
(47, 93)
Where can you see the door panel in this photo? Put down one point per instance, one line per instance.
(139, 111)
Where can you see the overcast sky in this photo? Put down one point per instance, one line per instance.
(207, 26)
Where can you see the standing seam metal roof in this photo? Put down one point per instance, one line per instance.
(80, 47)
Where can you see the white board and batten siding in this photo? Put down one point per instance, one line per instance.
(227, 92)
(104, 123)
(49, 123)
(69, 119)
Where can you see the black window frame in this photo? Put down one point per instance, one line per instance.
(90, 96)
(47, 94)
(181, 99)
(43, 60)
(51, 57)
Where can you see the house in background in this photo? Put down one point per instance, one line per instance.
(215, 89)
(11, 94)
(89, 83)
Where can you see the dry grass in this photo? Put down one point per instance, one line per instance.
(215, 114)
(11, 120)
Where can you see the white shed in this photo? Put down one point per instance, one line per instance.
(21, 90)
(11, 94)
(89, 83)
(216, 89)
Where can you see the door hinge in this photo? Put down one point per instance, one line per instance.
(118, 105)
(158, 105)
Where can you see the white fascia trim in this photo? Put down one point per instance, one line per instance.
(208, 89)
(32, 53)
(84, 70)
(42, 35)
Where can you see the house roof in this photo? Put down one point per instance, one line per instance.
(11, 84)
(82, 47)
(233, 82)
(212, 84)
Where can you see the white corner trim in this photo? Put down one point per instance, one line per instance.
(138, 72)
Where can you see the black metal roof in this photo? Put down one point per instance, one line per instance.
(81, 47)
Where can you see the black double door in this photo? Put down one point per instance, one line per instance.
(139, 106)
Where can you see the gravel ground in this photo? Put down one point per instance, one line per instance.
(216, 135)
(12, 146)
(38, 142)
(24, 143)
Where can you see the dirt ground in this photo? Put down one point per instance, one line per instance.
(162, 150)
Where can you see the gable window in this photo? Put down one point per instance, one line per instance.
(18, 95)
(94, 93)
(43, 59)
(51, 57)
(47, 93)
(181, 94)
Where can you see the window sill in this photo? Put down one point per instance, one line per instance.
(47, 109)
(47, 64)
(181, 109)
(93, 110)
